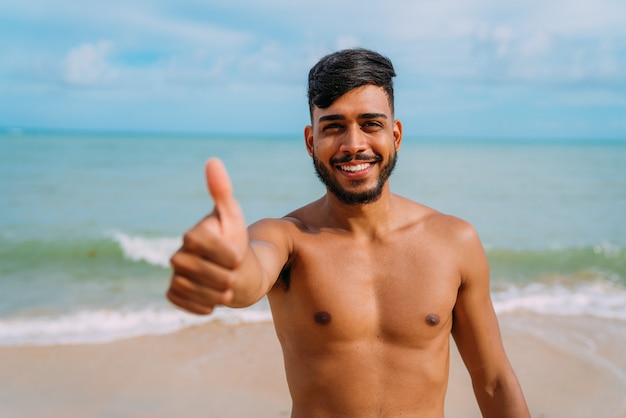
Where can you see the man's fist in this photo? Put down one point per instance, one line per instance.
(205, 267)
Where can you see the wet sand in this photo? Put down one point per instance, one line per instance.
(568, 367)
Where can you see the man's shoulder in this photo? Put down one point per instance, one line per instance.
(297, 220)
(439, 223)
(307, 217)
(283, 224)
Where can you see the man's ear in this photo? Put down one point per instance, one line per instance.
(308, 139)
(397, 133)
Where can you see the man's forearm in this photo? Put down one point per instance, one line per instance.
(250, 285)
(506, 401)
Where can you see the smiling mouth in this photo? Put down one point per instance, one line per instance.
(354, 168)
(352, 164)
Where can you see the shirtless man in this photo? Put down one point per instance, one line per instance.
(365, 286)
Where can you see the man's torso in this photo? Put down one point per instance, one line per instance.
(364, 322)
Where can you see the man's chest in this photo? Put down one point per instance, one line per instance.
(350, 290)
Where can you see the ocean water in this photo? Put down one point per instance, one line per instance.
(88, 222)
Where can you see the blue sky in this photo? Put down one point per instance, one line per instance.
(466, 68)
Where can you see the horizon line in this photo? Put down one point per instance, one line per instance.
(18, 131)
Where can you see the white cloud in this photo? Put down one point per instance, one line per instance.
(171, 30)
(581, 18)
(537, 44)
(87, 64)
(269, 61)
(487, 40)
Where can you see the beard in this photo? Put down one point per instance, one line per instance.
(355, 198)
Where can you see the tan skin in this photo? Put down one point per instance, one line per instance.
(374, 291)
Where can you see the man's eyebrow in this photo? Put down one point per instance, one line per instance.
(361, 116)
(372, 116)
(331, 118)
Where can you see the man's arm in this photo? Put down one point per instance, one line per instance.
(218, 263)
(477, 335)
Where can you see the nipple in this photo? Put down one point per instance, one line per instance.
(432, 319)
(322, 318)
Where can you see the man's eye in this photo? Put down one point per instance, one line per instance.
(372, 125)
(332, 126)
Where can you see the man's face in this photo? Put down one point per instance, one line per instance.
(354, 145)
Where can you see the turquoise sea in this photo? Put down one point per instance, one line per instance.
(88, 222)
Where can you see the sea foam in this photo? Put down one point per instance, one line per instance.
(593, 295)
(155, 251)
(595, 299)
(601, 299)
(102, 326)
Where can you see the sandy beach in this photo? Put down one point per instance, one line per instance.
(568, 367)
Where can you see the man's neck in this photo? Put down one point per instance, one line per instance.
(371, 219)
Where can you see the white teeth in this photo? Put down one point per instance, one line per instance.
(354, 168)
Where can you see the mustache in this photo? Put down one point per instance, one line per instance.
(358, 157)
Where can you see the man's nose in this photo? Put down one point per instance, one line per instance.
(353, 141)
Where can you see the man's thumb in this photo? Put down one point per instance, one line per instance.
(221, 189)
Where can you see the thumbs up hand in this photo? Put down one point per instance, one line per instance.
(205, 267)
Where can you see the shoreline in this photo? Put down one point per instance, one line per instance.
(567, 366)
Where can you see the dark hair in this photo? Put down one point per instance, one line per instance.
(336, 74)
